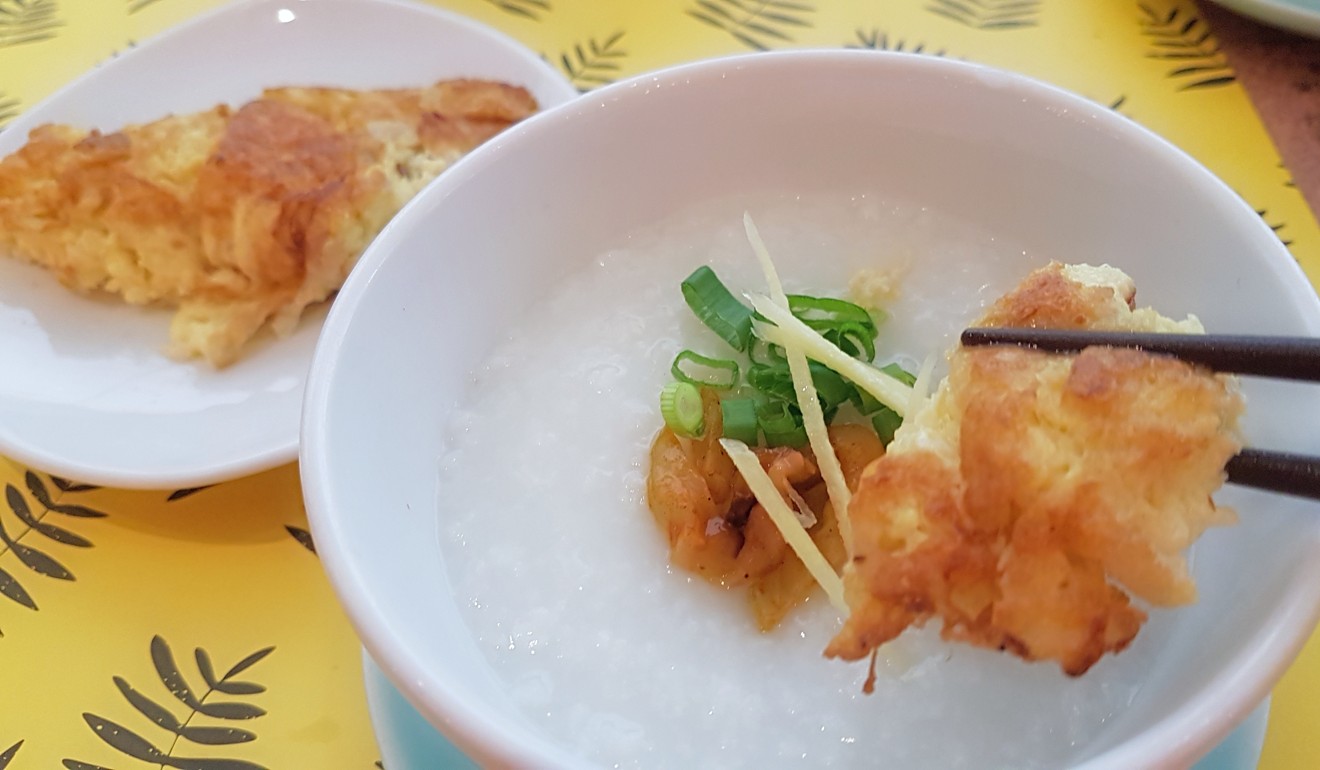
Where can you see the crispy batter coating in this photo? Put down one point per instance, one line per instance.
(1036, 491)
(239, 218)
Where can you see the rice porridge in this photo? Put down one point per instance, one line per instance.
(563, 576)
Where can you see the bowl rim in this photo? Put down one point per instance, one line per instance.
(1177, 739)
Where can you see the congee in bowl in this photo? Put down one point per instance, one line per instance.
(485, 403)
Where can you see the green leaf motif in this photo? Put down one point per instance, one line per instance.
(216, 736)
(988, 14)
(303, 537)
(33, 559)
(528, 9)
(179, 494)
(137, 746)
(9, 754)
(875, 40)
(72, 486)
(163, 659)
(1184, 40)
(1276, 227)
(596, 64)
(124, 739)
(757, 24)
(20, 508)
(12, 589)
(148, 707)
(249, 662)
(27, 21)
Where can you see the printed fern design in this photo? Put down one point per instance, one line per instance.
(1185, 39)
(9, 109)
(1277, 228)
(876, 40)
(303, 537)
(9, 754)
(30, 556)
(27, 21)
(136, 5)
(136, 746)
(754, 23)
(988, 14)
(594, 65)
(179, 494)
(529, 9)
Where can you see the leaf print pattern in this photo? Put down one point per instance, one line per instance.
(756, 24)
(135, 745)
(1276, 227)
(876, 40)
(31, 556)
(303, 537)
(136, 5)
(179, 494)
(27, 21)
(595, 64)
(528, 9)
(1185, 40)
(8, 755)
(988, 14)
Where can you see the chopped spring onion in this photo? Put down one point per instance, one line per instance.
(899, 373)
(794, 534)
(681, 408)
(886, 420)
(854, 339)
(808, 399)
(883, 387)
(717, 308)
(776, 382)
(844, 323)
(739, 418)
(780, 425)
(719, 373)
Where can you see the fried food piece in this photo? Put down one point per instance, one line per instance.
(239, 218)
(717, 530)
(1035, 491)
(775, 594)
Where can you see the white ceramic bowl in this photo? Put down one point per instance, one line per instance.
(1057, 174)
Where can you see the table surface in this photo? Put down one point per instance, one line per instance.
(183, 601)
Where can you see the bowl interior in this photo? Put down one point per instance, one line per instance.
(1038, 173)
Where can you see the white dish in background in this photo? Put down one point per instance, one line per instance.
(1049, 172)
(85, 389)
(1301, 16)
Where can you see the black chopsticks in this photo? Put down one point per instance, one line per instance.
(1292, 358)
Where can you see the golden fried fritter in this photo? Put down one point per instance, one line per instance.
(1035, 490)
(239, 218)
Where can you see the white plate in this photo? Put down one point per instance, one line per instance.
(408, 742)
(1301, 16)
(85, 389)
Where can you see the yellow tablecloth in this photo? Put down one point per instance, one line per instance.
(205, 611)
